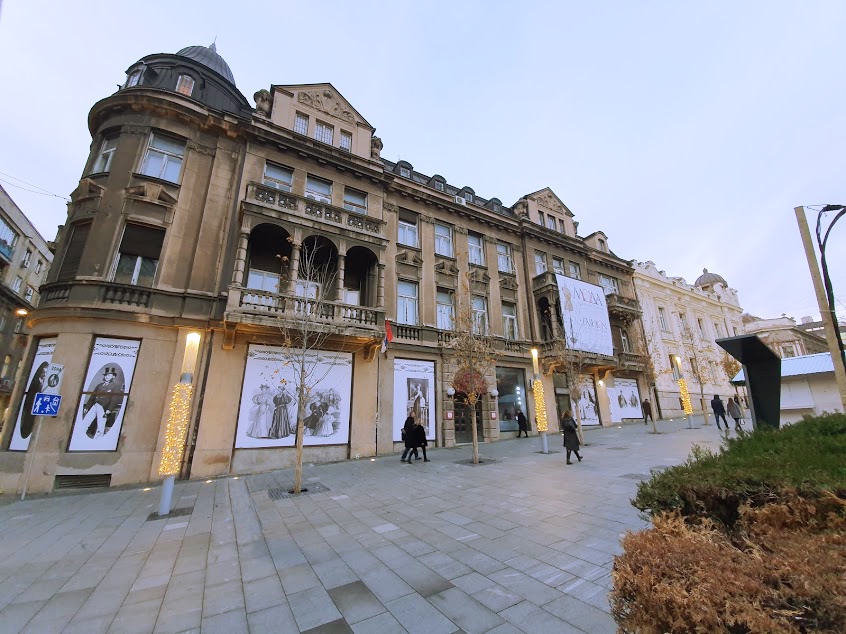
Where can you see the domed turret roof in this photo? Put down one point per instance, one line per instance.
(208, 56)
(709, 279)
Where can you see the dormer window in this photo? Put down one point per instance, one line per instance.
(134, 79)
(468, 197)
(439, 185)
(185, 85)
(603, 246)
(346, 141)
(301, 124)
(323, 133)
(405, 172)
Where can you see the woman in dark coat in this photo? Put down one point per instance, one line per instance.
(408, 437)
(571, 435)
(420, 441)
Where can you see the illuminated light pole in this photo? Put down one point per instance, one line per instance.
(540, 402)
(684, 392)
(177, 422)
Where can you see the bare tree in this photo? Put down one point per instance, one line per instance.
(700, 362)
(650, 374)
(474, 354)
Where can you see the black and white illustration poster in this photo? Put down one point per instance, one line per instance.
(35, 383)
(587, 402)
(414, 387)
(624, 400)
(102, 404)
(268, 413)
(585, 314)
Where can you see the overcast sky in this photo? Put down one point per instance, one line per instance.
(687, 132)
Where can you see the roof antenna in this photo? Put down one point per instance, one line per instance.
(213, 46)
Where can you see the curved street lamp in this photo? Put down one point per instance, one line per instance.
(822, 240)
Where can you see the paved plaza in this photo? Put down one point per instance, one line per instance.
(522, 543)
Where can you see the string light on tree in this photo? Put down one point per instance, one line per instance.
(177, 426)
(540, 405)
(685, 397)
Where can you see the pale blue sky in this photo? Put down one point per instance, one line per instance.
(687, 132)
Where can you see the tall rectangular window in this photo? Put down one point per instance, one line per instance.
(701, 327)
(323, 132)
(407, 303)
(443, 240)
(562, 225)
(575, 270)
(718, 329)
(8, 238)
(476, 251)
(503, 258)
(355, 200)
(609, 284)
(541, 219)
(38, 266)
(674, 366)
(479, 311)
(550, 222)
(27, 258)
(624, 340)
(163, 158)
(185, 85)
(346, 141)
(138, 257)
(29, 294)
(301, 124)
(16, 285)
(318, 189)
(662, 319)
(407, 228)
(104, 157)
(73, 252)
(278, 176)
(509, 321)
(558, 266)
(540, 263)
(446, 310)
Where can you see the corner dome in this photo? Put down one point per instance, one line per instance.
(208, 56)
(709, 279)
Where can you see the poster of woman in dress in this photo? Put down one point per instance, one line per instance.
(268, 412)
(35, 384)
(413, 393)
(106, 391)
(587, 403)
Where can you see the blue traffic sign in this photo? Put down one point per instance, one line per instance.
(46, 404)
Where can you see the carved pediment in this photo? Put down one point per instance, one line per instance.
(508, 282)
(87, 188)
(547, 199)
(409, 257)
(329, 101)
(479, 275)
(151, 193)
(447, 267)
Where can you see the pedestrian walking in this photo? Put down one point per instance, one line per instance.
(523, 423)
(719, 411)
(408, 437)
(646, 406)
(571, 435)
(419, 441)
(735, 412)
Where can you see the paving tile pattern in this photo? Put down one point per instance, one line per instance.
(525, 544)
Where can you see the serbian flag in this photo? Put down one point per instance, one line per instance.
(389, 336)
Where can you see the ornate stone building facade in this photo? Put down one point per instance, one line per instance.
(682, 322)
(785, 337)
(197, 214)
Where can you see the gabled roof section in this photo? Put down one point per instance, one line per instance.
(325, 98)
(547, 198)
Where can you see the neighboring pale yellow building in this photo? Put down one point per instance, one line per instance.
(785, 337)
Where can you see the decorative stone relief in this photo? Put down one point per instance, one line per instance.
(409, 257)
(462, 230)
(326, 101)
(138, 130)
(490, 240)
(446, 267)
(391, 208)
(506, 281)
(376, 148)
(264, 102)
(427, 219)
(201, 149)
(521, 207)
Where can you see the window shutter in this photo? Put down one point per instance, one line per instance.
(73, 254)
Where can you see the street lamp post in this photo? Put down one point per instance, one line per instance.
(540, 402)
(824, 292)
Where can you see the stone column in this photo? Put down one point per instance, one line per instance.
(380, 289)
(241, 258)
(295, 268)
(342, 263)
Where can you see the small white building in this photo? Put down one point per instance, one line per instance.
(807, 387)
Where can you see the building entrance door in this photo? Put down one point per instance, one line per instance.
(464, 418)
(562, 402)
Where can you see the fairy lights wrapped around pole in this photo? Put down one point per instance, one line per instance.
(540, 402)
(177, 422)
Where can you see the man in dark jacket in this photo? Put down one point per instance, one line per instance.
(420, 441)
(408, 437)
(719, 410)
(646, 406)
(523, 423)
(101, 407)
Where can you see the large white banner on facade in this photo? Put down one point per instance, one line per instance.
(106, 389)
(414, 388)
(585, 315)
(624, 400)
(26, 421)
(587, 402)
(268, 413)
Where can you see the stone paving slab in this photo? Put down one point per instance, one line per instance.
(523, 544)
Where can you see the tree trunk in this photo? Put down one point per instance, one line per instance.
(579, 427)
(298, 468)
(702, 403)
(473, 431)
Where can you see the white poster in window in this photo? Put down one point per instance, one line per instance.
(414, 391)
(35, 383)
(585, 315)
(587, 402)
(624, 400)
(102, 404)
(268, 413)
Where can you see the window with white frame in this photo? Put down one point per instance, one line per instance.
(468, 197)
(540, 263)
(263, 280)
(446, 310)
(439, 185)
(8, 238)
(138, 257)
(16, 285)
(550, 222)
(624, 340)
(504, 260)
(509, 321)
(479, 314)
(682, 323)
(475, 249)
(443, 240)
(346, 141)
(562, 225)
(301, 124)
(318, 189)
(541, 219)
(27, 258)
(163, 158)
(29, 293)
(323, 132)
(558, 266)
(407, 228)
(609, 284)
(405, 172)
(355, 201)
(104, 158)
(278, 176)
(38, 266)
(662, 319)
(185, 85)
(575, 270)
(134, 79)
(407, 303)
